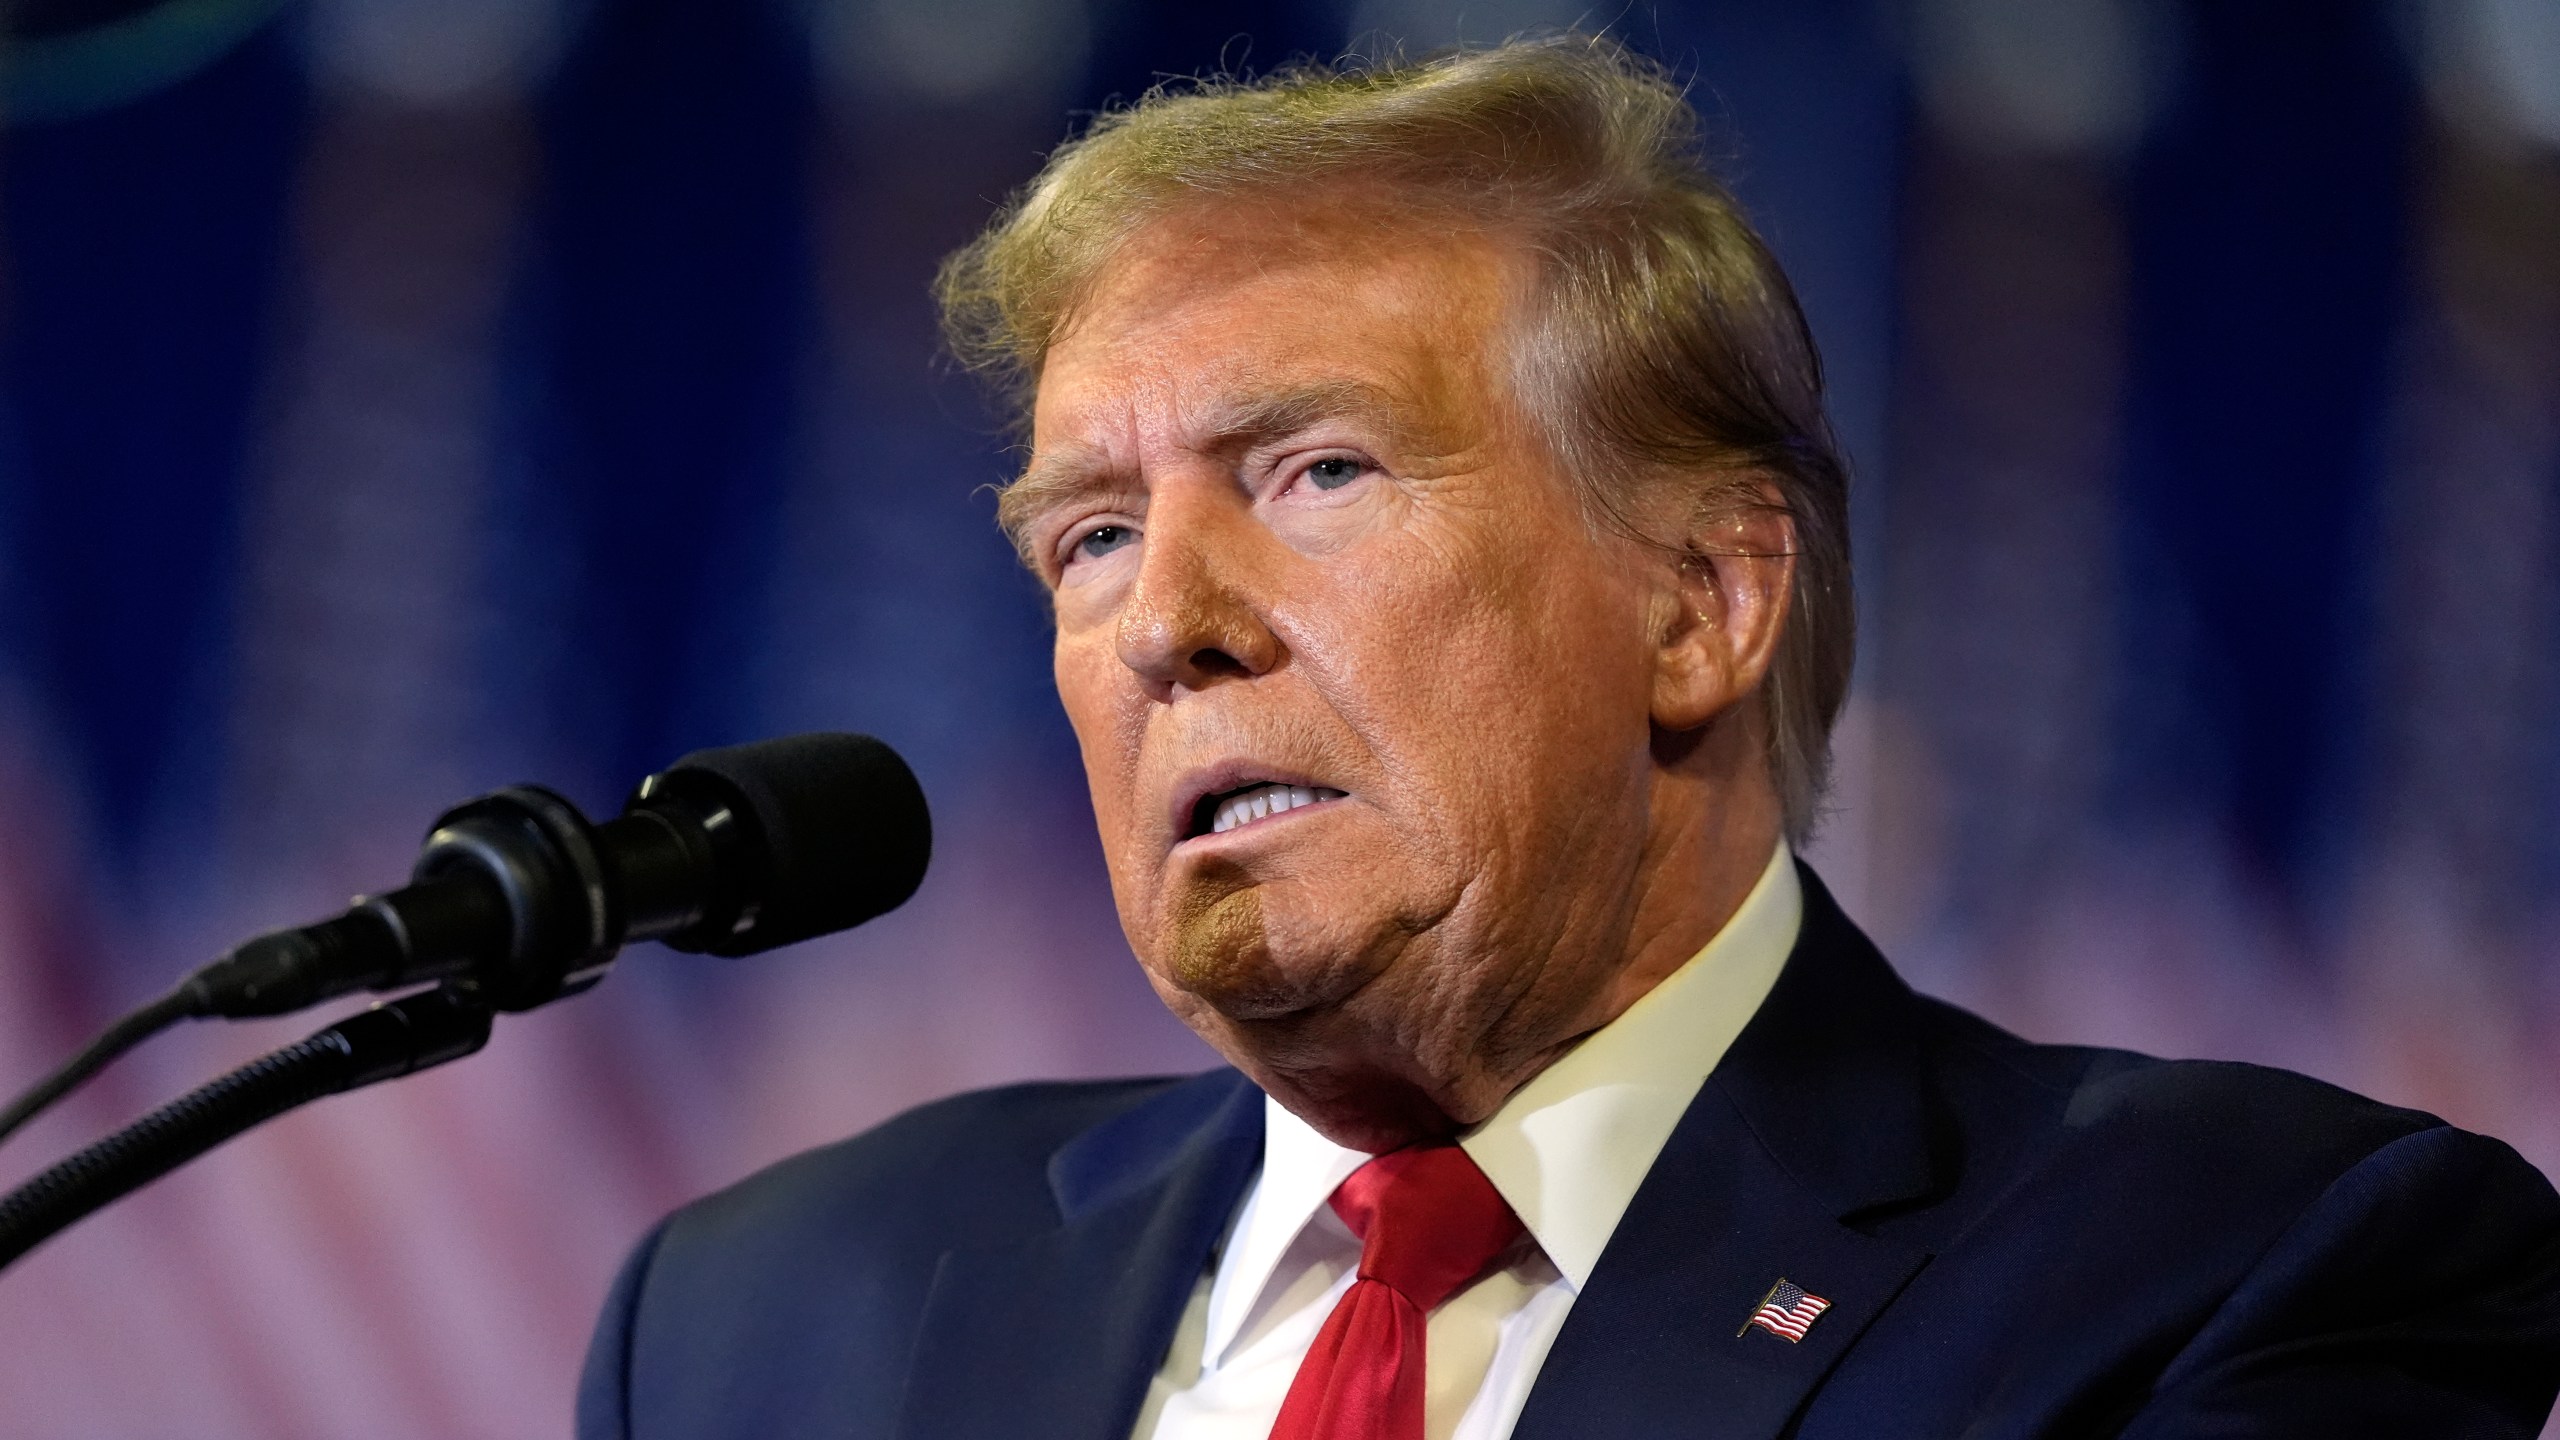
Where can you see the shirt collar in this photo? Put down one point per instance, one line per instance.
(1569, 1148)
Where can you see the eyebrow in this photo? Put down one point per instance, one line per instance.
(1231, 425)
(1246, 421)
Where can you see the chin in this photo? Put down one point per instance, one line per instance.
(1248, 985)
(1266, 952)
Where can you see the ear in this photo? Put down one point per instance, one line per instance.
(1723, 604)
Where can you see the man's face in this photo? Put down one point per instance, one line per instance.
(1363, 699)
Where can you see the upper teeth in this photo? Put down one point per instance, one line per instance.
(1246, 806)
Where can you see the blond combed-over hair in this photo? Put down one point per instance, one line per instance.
(1665, 357)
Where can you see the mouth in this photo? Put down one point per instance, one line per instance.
(1251, 804)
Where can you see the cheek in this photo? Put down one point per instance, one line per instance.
(1092, 689)
(1487, 647)
(1507, 701)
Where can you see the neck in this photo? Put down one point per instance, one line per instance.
(1710, 847)
(1371, 1079)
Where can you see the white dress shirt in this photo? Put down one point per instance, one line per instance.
(1567, 1150)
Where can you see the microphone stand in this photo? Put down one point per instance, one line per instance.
(517, 900)
(390, 1040)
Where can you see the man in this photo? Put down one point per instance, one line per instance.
(1429, 472)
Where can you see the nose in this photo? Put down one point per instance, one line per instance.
(1190, 619)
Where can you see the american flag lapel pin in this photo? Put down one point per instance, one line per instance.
(1786, 1312)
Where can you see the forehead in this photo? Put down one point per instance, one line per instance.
(1334, 291)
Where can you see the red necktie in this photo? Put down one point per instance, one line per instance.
(1428, 1223)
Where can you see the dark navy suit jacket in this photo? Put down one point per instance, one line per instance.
(2015, 1240)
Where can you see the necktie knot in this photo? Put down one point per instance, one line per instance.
(1428, 1221)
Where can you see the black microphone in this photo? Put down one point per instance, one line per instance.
(518, 900)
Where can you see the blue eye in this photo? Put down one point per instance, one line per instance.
(1333, 473)
(1103, 539)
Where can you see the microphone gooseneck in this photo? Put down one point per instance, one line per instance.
(400, 1037)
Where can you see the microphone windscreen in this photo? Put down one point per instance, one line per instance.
(845, 829)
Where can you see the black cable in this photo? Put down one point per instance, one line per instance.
(185, 1002)
(383, 1043)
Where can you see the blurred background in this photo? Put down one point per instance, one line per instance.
(401, 398)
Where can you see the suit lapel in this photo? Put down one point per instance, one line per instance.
(1818, 1112)
(1059, 1334)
